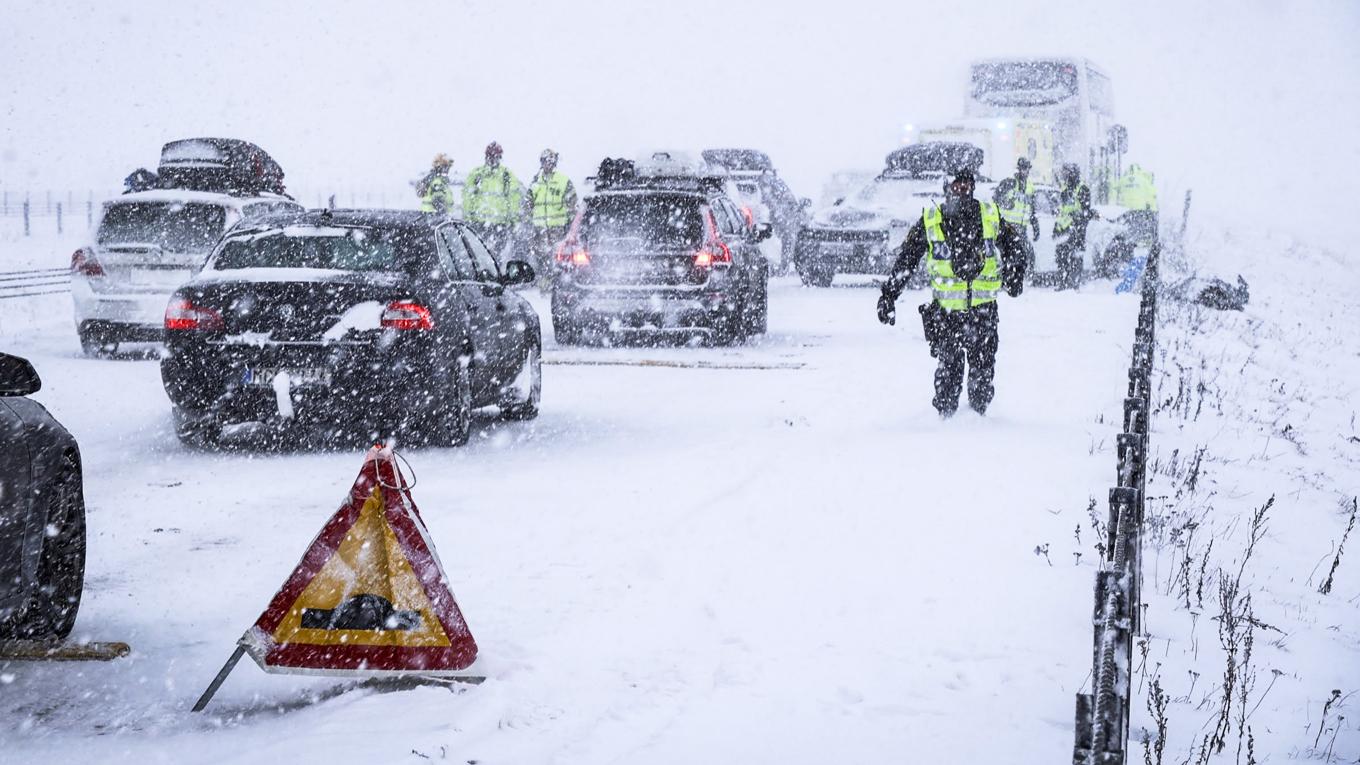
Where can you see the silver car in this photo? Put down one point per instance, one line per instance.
(146, 245)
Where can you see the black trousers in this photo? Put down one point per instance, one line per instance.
(966, 344)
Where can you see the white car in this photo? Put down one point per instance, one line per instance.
(146, 245)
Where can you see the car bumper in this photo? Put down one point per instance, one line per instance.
(847, 251)
(364, 379)
(133, 309)
(645, 310)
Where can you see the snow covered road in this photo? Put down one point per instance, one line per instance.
(791, 559)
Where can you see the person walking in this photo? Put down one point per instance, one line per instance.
(1014, 197)
(1069, 231)
(491, 200)
(549, 207)
(970, 255)
(1136, 189)
(435, 189)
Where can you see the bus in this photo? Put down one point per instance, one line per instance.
(1071, 94)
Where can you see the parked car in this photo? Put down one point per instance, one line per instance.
(859, 233)
(660, 250)
(397, 319)
(42, 513)
(153, 238)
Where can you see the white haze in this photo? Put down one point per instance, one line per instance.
(1250, 103)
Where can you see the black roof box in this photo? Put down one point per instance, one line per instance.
(943, 157)
(223, 165)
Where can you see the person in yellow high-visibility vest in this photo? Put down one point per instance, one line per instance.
(1069, 230)
(435, 189)
(971, 254)
(549, 207)
(491, 200)
(1137, 191)
(1014, 197)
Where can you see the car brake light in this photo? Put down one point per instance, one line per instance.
(83, 262)
(407, 314)
(182, 314)
(750, 216)
(570, 254)
(715, 250)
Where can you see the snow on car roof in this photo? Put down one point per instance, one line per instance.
(186, 195)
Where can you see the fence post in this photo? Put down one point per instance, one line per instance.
(49, 203)
(26, 229)
(59, 217)
(89, 211)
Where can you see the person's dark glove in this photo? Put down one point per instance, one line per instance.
(887, 309)
(1036, 233)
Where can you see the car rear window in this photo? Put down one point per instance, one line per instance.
(651, 218)
(330, 248)
(189, 227)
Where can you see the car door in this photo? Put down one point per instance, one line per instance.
(480, 307)
(504, 350)
(15, 491)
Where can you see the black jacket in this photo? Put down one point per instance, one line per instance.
(963, 234)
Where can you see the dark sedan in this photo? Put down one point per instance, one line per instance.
(399, 323)
(42, 513)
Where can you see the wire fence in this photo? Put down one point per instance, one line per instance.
(1102, 724)
(34, 282)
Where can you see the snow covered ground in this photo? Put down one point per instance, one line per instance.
(784, 557)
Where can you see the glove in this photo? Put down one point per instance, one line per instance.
(1036, 234)
(887, 309)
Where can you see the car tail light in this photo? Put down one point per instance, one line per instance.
(83, 262)
(571, 254)
(715, 251)
(407, 314)
(182, 314)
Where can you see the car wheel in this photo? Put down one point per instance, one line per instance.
(566, 332)
(51, 613)
(759, 308)
(527, 407)
(448, 420)
(96, 341)
(816, 274)
(196, 430)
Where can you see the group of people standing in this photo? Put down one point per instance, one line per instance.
(497, 206)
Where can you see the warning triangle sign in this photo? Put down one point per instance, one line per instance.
(369, 596)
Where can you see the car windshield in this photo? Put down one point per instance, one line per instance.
(190, 227)
(650, 218)
(1024, 83)
(343, 249)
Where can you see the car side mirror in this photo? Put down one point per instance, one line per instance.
(17, 376)
(763, 231)
(518, 272)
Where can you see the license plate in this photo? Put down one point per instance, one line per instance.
(838, 248)
(265, 376)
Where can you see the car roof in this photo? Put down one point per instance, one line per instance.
(357, 217)
(654, 192)
(202, 197)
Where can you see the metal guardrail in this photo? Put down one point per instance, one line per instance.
(43, 281)
(1102, 723)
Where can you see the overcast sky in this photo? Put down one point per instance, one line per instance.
(1232, 98)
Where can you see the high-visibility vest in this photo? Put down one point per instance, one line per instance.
(548, 196)
(492, 195)
(1016, 208)
(1135, 190)
(438, 196)
(1069, 207)
(951, 292)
